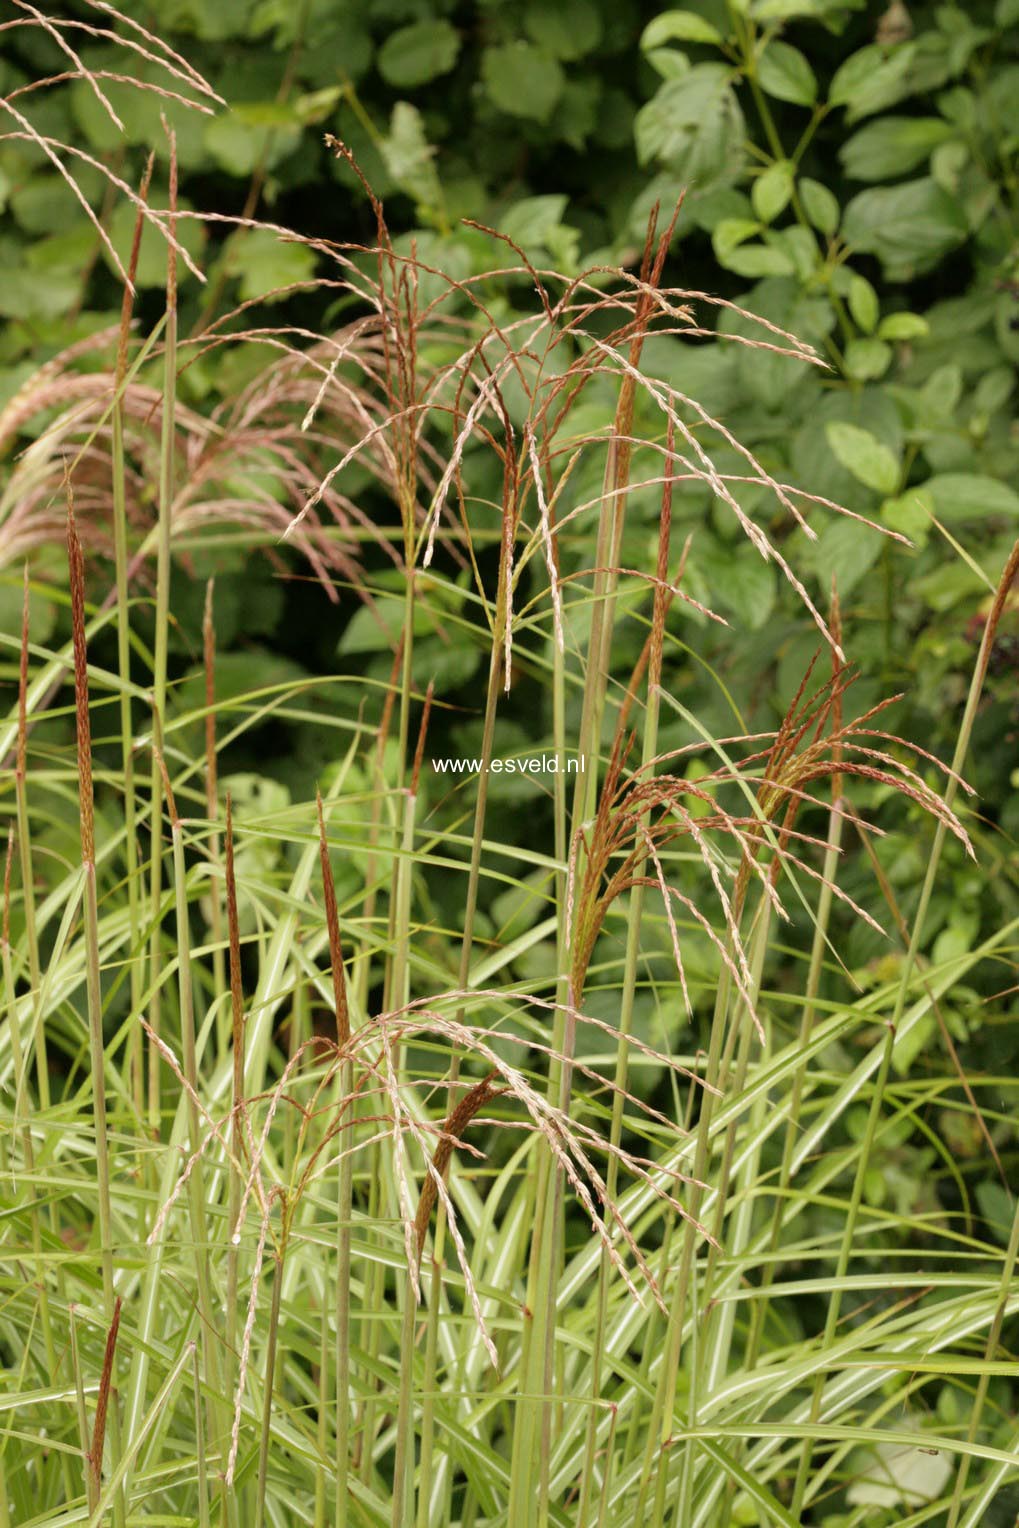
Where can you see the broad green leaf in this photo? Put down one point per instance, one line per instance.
(847, 549)
(568, 29)
(863, 303)
(42, 613)
(942, 391)
(265, 262)
(960, 496)
(536, 224)
(790, 10)
(226, 19)
(152, 252)
(903, 326)
(730, 233)
(800, 247)
(867, 359)
(867, 458)
(910, 514)
(745, 583)
(871, 79)
(1006, 13)
(684, 26)
(783, 72)
(694, 125)
(410, 158)
(768, 378)
(41, 205)
(820, 205)
(257, 133)
(997, 1206)
(994, 390)
(771, 191)
(757, 260)
(892, 146)
(26, 294)
(669, 63)
(414, 54)
(531, 220)
(908, 227)
(522, 80)
(899, 1477)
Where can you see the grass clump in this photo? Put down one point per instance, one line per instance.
(342, 1189)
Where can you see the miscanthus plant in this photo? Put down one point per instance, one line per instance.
(322, 1206)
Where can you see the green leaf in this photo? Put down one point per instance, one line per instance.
(684, 25)
(532, 221)
(910, 515)
(847, 549)
(820, 205)
(960, 496)
(892, 146)
(994, 390)
(42, 613)
(800, 246)
(745, 583)
(908, 227)
(152, 251)
(863, 303)
(257, 133)
(903, 326)
(870, 461)
(694, 125)
(1006, 13)
(771, 191)
(757, 260)
(772, 380)
(670, 63)
(730, 233)
(997, 1206)
(264, 262)
(414, 54)
(942, 391)
(783, 72)
(522, 80)
(871, 79)
(410, 158)
(867, 359)
(41, 205)
(568, 30)
(789, 10)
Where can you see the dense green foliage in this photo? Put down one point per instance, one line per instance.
(848, 176)
(849, 173)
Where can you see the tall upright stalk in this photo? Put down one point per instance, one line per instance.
(345, 1180)
(631, 960)
(120, 546)
(25, 855)
(235, 1187)
(534, 1409)
(197, 1199)
(93, 987)
(22, 1128)
(219, 984)
(159, 674)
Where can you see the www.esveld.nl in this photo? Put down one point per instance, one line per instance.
(537, 764)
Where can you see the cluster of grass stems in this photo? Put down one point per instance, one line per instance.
(305, 1222)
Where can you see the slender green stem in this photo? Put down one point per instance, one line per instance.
(167, 454)
(272, 1337)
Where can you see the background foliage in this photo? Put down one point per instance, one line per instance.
(848, 172)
